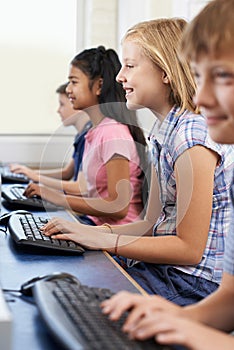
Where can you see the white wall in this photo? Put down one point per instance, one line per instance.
(37, 150)
(38, 39)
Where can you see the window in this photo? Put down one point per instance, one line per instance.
(37, 41)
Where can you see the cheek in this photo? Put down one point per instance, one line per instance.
(226, 98)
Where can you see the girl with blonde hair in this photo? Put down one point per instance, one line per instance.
(177, 250)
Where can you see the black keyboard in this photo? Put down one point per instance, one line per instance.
(8, 176)
(14, 195)
(25, 230)
(72, 313)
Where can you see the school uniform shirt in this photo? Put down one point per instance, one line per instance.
(229, 246)
(102, 142)
(176, 134)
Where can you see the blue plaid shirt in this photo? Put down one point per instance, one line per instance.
(176, 134)
(229, 245)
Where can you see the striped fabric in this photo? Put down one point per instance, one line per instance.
(229, 246)
(176, 134)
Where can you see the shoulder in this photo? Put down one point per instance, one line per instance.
(110, 128)
(191, 130)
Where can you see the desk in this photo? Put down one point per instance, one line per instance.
(18, 264)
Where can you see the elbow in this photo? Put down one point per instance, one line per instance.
(194, 257)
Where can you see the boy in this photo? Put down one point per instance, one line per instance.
(53, 177)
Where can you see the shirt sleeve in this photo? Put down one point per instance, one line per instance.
(192, 131)
(117, 140)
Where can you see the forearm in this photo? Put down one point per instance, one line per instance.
(60, 185)
(83, 205)
(63, 173)
(159, 250)
(217, 310)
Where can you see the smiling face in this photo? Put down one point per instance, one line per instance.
(145, 84)
(215, 93)
(79, 91)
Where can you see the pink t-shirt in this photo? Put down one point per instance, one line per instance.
(101, 144)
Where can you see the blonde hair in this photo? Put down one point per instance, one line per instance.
(211, 31)
(160, 41)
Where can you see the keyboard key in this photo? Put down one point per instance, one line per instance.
(25, 229)
(72, 313)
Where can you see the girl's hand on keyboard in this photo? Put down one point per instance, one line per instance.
(32, 190)
(85, 235)
(22, 169)
(59, 228)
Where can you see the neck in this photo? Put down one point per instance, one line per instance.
(82, 119)
(161, 115)
(95, 115)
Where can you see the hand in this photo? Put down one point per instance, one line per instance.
(32, 190)
(138, 305)
(171, 329)
(22, 169)
(59, 228)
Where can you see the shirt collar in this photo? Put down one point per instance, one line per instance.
(162, 130)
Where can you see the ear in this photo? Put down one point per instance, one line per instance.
(165, 78)
(99, 86)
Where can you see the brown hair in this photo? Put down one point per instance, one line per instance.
(211, 31)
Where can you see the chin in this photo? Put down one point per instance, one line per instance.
(222, 138)
(133, 106)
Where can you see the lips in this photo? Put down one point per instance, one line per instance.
(128, 91)
(211, 120)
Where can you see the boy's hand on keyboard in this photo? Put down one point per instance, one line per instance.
(22, 169)
(168, 328)
(138, 305)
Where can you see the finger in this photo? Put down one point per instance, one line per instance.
(62, 236)
(52, 227)
(146, 328)
(119, 304)
(133, 318)
(172, 337)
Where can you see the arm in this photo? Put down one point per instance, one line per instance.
(194, 176)
(46, 176)
(217, 310)
(153, 315)
(115, 204)
(171, 329)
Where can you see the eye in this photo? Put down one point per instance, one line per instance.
(223, 76)
(196, 77)
(129, 66)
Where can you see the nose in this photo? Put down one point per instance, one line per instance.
(68, 89)
(204, 95)
(120, 77)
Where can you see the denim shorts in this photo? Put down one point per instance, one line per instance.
(171, 283)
